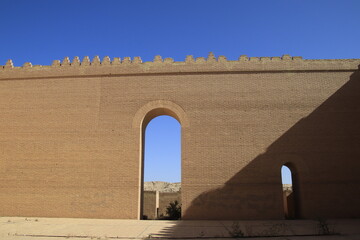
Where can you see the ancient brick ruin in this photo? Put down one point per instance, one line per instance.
(71, 135)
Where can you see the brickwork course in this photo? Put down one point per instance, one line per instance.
(71, 135)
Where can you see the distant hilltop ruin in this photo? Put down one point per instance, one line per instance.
(176, 187)
(162, 186)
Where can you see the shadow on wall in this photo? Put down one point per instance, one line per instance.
(323, 150)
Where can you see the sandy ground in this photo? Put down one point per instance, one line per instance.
(19, 228)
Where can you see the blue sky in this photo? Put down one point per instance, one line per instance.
(41, 31)
(163, 150)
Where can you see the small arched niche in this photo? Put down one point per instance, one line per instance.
(289, 187)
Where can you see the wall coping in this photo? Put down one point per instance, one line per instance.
(167, 66)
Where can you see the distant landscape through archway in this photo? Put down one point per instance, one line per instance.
(161, 168)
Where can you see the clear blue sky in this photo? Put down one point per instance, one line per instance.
(163, 150)
(40, 31)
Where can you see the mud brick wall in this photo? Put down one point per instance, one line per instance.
(71, 135)
(149, 208)
(165, 198)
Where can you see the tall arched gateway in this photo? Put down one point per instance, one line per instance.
(143, 117)
(70, 135)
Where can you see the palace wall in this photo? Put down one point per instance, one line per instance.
(70, 135)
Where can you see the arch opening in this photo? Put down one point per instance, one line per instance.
(289, 187)
(160, 164)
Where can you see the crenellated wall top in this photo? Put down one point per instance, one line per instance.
(135, 66)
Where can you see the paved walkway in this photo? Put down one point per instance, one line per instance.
(17, 228)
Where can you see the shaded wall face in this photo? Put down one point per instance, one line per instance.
(309, 121)
(149, 207)
(165, 199)
(263, 122)
(68, 147)
(150, 203)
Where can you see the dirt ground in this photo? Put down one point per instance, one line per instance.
(19, 228)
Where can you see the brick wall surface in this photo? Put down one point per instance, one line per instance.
(70, 136)
(149, 207)
(165, 198)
